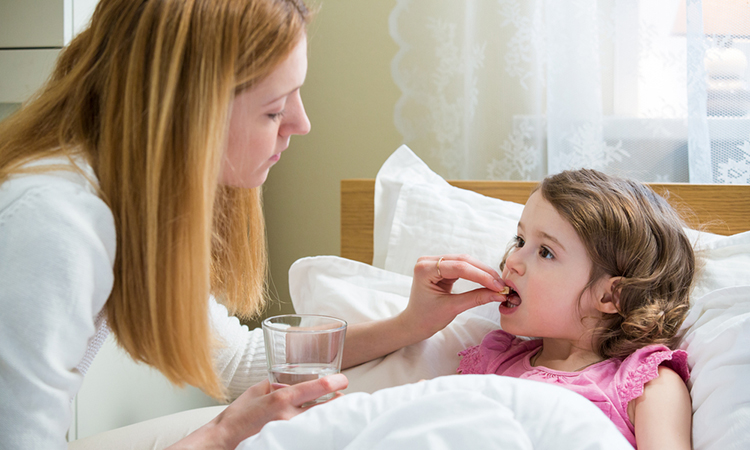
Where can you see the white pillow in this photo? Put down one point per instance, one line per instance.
(401, 167)
(353, 291)
(422, 214)
(716, 339)
(726, 262)
(358, 292)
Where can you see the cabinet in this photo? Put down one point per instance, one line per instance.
(32, 32)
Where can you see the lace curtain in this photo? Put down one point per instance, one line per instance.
(656, 90)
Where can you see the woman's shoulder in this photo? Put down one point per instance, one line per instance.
(55, 215)
(58, 188)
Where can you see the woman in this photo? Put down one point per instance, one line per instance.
(130, 200)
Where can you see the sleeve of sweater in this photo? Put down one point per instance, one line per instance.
(241, 361)
(57, 247)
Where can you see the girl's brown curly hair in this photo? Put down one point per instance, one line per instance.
(629, 231)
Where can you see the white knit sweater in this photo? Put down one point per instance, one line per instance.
(57, 248)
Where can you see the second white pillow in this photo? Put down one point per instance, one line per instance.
(421, 214)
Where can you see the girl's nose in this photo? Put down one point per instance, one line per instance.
(295, 118)
(515, 263)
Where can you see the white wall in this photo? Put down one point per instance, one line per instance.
(118, 392)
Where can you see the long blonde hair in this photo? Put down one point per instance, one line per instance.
(144, 95)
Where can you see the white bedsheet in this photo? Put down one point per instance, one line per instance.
(451, 412)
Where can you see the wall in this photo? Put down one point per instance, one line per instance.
(7, 109)
(117, 392)
(350, 98)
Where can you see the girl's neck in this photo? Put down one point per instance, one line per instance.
(564, 356)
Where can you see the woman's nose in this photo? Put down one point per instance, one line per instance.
(296, 120)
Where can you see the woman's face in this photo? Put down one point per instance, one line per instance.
(262, 120)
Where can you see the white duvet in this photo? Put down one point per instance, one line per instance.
(451, 412)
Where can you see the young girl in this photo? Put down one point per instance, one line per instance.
(600, 271)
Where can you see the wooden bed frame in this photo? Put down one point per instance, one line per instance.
(720, 209)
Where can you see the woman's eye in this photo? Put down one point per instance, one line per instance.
(276, 116)
(519, 242)
(545, 253)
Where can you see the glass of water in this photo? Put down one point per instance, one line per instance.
(303, 347)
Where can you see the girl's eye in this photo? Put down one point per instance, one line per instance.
(518, 241)
(545, 253)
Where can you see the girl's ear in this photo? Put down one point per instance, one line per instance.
(609, 298)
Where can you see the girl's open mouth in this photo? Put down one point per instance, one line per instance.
(512, 299)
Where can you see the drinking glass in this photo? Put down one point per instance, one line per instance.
(303, 347)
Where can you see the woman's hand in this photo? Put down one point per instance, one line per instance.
(432, 305)
(258, 405)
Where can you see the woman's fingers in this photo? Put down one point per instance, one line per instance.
(477, 297)
(307, 391)
(432, 305)
(453, 267)
(335, 396)
(262, 388)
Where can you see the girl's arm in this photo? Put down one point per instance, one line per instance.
(431, 307)
(663, 414)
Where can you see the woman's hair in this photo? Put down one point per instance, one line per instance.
(144, 95)
(629, 231)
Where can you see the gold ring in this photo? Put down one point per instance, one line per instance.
(440, 275)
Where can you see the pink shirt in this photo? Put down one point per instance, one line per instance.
(610, 384)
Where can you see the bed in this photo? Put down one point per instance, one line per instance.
(413, 399)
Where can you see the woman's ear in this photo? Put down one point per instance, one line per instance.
(608, 300)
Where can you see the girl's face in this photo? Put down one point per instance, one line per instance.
(548, 270)
(262, 120)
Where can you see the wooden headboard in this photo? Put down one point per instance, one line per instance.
(720, 209)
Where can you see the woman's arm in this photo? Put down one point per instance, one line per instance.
(663, 414)
(431, 307)
(57, 244)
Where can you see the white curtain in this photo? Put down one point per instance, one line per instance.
(518, 89)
